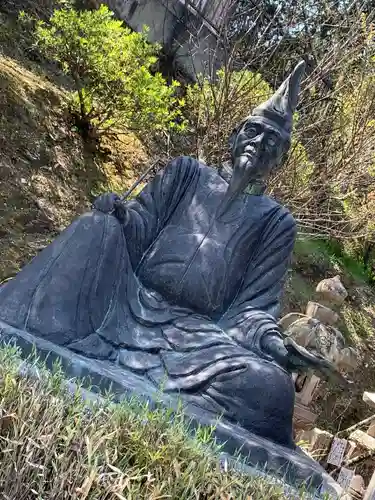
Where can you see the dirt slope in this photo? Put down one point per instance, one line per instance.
(47, 177)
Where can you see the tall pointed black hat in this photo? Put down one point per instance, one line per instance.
(280, 107)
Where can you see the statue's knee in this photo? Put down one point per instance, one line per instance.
(96, 221)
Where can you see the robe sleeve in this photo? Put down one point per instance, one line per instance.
(258, 300)
(149, 212)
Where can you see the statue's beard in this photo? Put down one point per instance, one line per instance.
(247, 169)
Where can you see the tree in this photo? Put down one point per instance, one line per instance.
(111, 68)
(271, 35)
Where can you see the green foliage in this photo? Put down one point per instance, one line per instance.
(354, 135)
(328, 255)
(213, 108)
(206, 100)
(111, 68)
(357, 324)
(298, 170)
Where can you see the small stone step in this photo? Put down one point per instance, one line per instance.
(319, 442)
(369, 398)
(363, 441)
(322, 313)
(289, 319)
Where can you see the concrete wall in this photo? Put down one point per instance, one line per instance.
(193, 42)
(152, 13)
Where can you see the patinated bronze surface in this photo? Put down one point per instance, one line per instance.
(180, 287)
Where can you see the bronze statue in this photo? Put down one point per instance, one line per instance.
(182, 284)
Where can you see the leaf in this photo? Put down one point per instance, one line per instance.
(84, 490)
(111, 67)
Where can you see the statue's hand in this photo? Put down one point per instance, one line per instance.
(106, 202)
(110, 203)
(300, 359)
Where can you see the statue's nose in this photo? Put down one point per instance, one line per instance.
(254, 144)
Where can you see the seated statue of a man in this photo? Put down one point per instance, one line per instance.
(182, 284)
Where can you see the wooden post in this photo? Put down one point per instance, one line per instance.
(370, 491)
(306, 395)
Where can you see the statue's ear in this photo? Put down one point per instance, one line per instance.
(232, 139)
(284, 156)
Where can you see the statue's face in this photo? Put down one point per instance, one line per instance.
(258, 148)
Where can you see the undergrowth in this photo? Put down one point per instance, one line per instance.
(54, 445)
(324, 253)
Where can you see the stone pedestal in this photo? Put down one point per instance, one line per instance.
(294, 467)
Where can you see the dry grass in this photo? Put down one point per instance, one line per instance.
(42, 166)
(54, 446)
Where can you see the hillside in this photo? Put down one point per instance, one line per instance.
(48, 176)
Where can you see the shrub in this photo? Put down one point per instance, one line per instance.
(212, 109)
(111, 68)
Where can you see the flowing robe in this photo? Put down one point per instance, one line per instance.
(175, 292)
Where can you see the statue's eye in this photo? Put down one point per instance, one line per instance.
(251, 132)
(271, 142)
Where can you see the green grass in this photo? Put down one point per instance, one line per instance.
(315, 260)
(329, 254)
(55, 446)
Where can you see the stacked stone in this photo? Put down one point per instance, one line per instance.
(315, 331)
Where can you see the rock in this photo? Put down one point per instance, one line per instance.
(326, 341)
(288, 319)
(357, 484)
(363, 441)
(369, 398)
(332, 290)
(309, 387)
(348, 360)
(319, 442)
(322, 313)
(303, 330)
